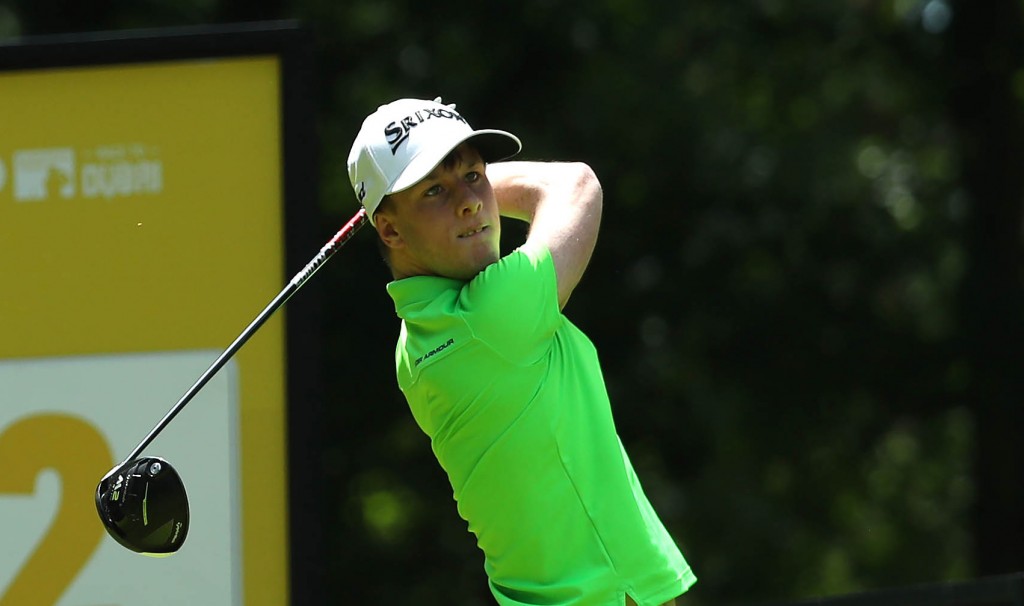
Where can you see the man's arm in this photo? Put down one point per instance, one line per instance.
(562, 204)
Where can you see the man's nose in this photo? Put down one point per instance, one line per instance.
(469, 202)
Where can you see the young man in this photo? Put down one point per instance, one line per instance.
(508, 390)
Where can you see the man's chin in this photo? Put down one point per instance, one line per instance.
(482, 263)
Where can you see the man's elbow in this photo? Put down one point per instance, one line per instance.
(588, 186)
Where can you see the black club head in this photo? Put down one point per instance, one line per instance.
(144, 507)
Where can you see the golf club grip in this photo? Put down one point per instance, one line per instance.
(339, 239)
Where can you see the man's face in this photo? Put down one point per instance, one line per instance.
(445, 225)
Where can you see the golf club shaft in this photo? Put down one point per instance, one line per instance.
(339, 239)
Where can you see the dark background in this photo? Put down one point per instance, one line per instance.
(808, 290)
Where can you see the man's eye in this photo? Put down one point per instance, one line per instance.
(433, 191)
(472, 176)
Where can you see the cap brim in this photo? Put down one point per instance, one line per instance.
(493, 145)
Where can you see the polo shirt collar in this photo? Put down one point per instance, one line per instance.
(413, 294)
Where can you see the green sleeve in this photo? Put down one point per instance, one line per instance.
(513, 304)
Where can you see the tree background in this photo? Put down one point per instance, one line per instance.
(808, 291)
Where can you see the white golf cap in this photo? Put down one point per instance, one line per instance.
(403, 141)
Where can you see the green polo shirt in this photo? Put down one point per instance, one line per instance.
(512, 397)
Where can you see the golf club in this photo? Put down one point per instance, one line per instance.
(142, 501)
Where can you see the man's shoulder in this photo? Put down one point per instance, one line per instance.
(525, 273)
(513, 304)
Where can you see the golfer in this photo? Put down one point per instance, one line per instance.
(509, 391)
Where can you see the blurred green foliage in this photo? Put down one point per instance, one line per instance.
(776, 292)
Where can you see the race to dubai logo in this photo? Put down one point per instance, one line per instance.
(111, 171)
(105, 171)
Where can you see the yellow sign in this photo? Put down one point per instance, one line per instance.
(141, 229)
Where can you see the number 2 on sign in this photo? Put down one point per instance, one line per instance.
(76, 451)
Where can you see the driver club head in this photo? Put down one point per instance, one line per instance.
(144, 507)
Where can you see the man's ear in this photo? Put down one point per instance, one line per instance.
(388, 231)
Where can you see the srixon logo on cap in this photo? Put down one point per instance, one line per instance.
(397, 132)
